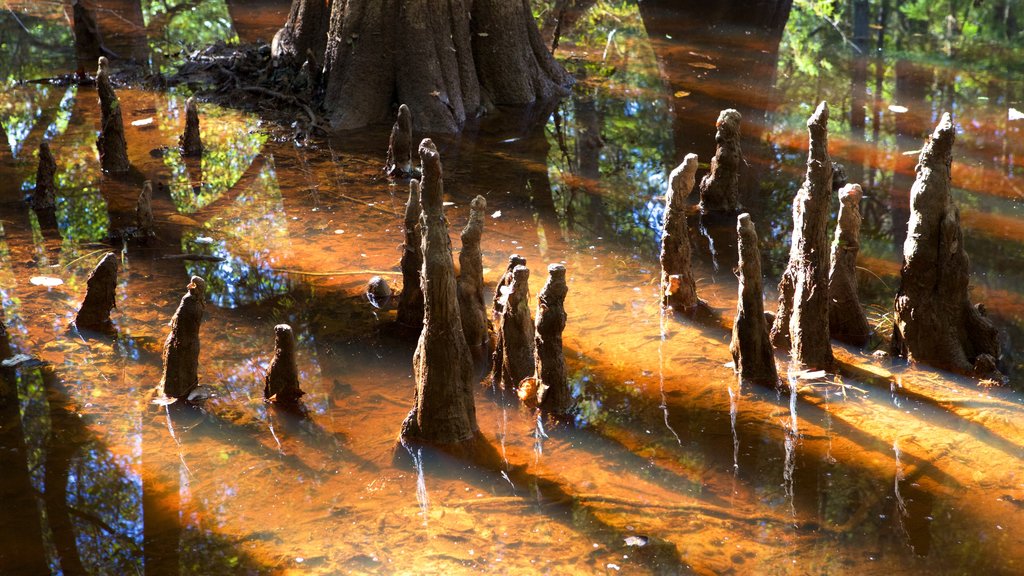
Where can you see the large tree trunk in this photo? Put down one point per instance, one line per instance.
(444, 415)
(446, 60)
(304, 35)
(935, 321)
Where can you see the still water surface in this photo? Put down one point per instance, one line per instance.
(672, 467)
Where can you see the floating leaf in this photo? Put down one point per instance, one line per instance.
(1014, 114)
(143, 122)
(705, 65)
(897, 109)
(681, 94)
(48, 281)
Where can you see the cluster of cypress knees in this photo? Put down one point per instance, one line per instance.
(934, 321)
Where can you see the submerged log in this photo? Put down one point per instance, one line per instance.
(720, 188)
(935, 321)
(181, 349)
(190, 142)
(44, 197)
(282, 381)
(471, 277)
(410, 302)
(553, 393)
(513, 354)
(144, 210)
(88, 44)
(678, 288)
(111, 143)
(846, 319)
(801, 323)
(501, 289)
(100, 295)
(751, 348)
(444, 415)
(399, 161)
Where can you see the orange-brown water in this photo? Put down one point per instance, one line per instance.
(873, 469)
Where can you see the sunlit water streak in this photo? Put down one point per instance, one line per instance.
(663, 317)
(791, 431)
(734, 401)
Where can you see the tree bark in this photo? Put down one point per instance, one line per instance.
(847, 321)
(502, 288)
(801, 323)
(471, 278)
(720, 188)
(444, 415)
(513, 354)
(751, 346)
(181, 349)
(190, 142)
(100, 296)
(678, 288)
(934, 319)
(447, 60)
(410, 302)
(110, 143)
(44, 197)
(553, 393)
(304, 36)
(282, 382)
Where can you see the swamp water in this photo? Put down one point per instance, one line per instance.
(672, 467)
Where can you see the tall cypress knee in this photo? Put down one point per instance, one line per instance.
(553, 393)
(935, 321)
(100, 296)
(181, 349)
(678, 288)
(282, 381)
(801, 323)
(44, 196)
(444, 414)
(410, 303)
(471, 277)
(751, 348)
(190, 142)
(846, 319)
(720, 188)
(399, 160)
(111, 143)
(513, 354)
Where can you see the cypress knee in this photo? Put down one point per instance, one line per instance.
(720, 188)
(144, 210)
(100, 294)
(282, 381)
(502, 287)
(181, 349)
(751, 348)
(553, 392)
(846, 319)
(410, 303)
(444, 414)
(678, 288)
(935, 321)
(399, 160)
(44, 197)
(801, 323)
(110, 143)
(513, 354)
(471, 277)
(190, 142)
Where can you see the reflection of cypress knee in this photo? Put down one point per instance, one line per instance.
(445, 413)
(282, 382)
(181, 349)
(801, 323)
(501, 289)
(846, 319)
(678, 288)
(720, 188)
(471, 277)
(44, 195)
(553, 392)
(144, 210)
(513, 355)
(190, 141)
(87, 36)
(410, 303)
(934, 319)
(110, 143)
(100, 294)
(751, 349)
(399, 160)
